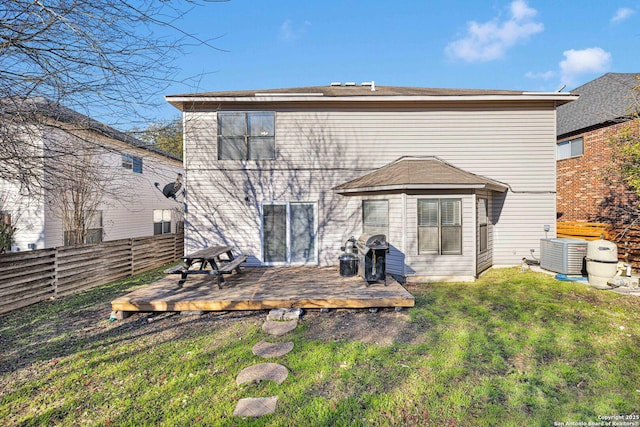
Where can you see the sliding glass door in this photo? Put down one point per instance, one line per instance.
(289, 233)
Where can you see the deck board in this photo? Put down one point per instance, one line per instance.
(259, 288)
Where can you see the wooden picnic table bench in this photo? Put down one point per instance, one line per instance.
(210, 257)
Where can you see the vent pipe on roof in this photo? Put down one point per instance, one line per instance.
(371, 83)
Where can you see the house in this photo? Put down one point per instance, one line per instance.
(457, 180)
(606, 105)
(95, 184)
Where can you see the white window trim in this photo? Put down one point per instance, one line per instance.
(569, 143)
(462, 241)
(314, 261)
(246, 135)
(388, 219)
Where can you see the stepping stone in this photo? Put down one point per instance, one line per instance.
(278, 314)
(267, 349)
(292, 314)
(263, 371)
(278, 328)
(255, 406)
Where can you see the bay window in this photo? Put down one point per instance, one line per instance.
(440, 226)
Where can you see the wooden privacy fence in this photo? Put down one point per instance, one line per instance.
(626, 237)
(33, 276)
(582, 230)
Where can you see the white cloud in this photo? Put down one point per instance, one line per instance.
(546, 75)
(622, 14)
(290, 31)
(490, 40)
(577, 62)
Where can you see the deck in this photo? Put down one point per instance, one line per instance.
(260, 288)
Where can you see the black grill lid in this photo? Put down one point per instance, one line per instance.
(372, 241)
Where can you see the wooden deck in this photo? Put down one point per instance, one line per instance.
(265, 288)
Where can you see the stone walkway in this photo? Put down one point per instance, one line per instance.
(279, 322)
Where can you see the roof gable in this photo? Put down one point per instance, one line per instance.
(605, 99)
(415, 173)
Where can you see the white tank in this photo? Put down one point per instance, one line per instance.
(602, 261)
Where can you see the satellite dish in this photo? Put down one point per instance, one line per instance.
(172, 189)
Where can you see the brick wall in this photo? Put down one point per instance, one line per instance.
(583, 193)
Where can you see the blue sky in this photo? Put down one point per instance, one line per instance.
(536, 45)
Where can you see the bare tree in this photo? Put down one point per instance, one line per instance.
(7, 228)
(620, 206)
(83, 183)
(88, 55)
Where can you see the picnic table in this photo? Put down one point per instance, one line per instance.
(211, 257)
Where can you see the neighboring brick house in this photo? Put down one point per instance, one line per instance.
(585, 127)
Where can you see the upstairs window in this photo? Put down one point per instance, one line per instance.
(246, 136)
(132, 163)
(570, 148)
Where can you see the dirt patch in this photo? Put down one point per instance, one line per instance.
(45, 340)
(384, 327)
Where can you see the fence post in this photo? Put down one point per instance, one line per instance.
(131, 257)
(55, 272)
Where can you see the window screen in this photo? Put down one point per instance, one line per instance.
(571, 148)
(161, 221)
(440, 226)
(375, 217)
(483, 220)
(246, 136)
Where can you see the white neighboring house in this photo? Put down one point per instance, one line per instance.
(127, 204)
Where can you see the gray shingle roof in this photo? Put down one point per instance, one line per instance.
(358, 90)
(605, 99)
(415, 173)
(78, 121)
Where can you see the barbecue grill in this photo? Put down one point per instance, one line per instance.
(372, 252)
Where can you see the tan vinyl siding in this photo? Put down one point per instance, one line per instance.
(318, 150)
(521, 226)
(225, 208)
(497, 144)
(200, 139)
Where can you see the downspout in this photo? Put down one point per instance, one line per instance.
(404, 235)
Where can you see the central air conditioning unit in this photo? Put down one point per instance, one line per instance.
(563, 255)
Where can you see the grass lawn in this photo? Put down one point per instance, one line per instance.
(511, 349)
